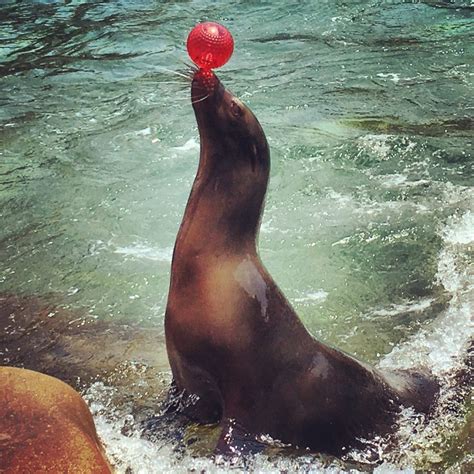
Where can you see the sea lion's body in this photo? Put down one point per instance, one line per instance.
(45, 426)
(235, 345)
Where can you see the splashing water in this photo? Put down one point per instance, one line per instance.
(369, 215)
(417, 443)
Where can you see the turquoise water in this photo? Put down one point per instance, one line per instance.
(367, 107)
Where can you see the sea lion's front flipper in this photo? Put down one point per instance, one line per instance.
(235, 440)
(204, 409)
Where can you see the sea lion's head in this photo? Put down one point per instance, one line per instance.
(227, 123)
(234, 159)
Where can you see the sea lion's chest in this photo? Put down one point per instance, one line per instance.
(218, 298)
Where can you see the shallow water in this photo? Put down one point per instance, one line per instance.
(369, 221)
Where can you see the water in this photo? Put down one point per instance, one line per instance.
(369, 221)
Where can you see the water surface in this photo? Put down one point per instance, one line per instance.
(369, 221)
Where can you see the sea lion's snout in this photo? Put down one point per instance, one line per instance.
(204, 85)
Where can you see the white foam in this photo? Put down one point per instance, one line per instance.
(400, 181)
(342, 199)
(394, 77)
(392, 180)
(191, 145)
(408, 307)
(132, 454)
(379, 145)
(462, 232)
(318, 295)
(442, 346)
(144, 132)
(140, 250)
(266, 227)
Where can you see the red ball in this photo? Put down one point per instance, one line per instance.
(210, 45)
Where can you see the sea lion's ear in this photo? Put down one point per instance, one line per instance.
(236, 108)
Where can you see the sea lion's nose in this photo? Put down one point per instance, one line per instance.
(204, 83)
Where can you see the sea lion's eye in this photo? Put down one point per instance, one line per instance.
(237, 110)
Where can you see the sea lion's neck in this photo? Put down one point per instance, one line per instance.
(225, 206)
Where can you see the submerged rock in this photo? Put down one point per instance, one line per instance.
(80, 350)
(72, 345)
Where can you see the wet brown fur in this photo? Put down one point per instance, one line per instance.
(45, 426)
(235, 345)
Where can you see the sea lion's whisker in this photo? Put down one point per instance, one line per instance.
(184, 99)
(178, 73)
(199, 100)
(180, 83)
(191, 66)
(191, 69)
(188, 75)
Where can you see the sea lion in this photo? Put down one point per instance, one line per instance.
(239, 354)
(45, 426)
